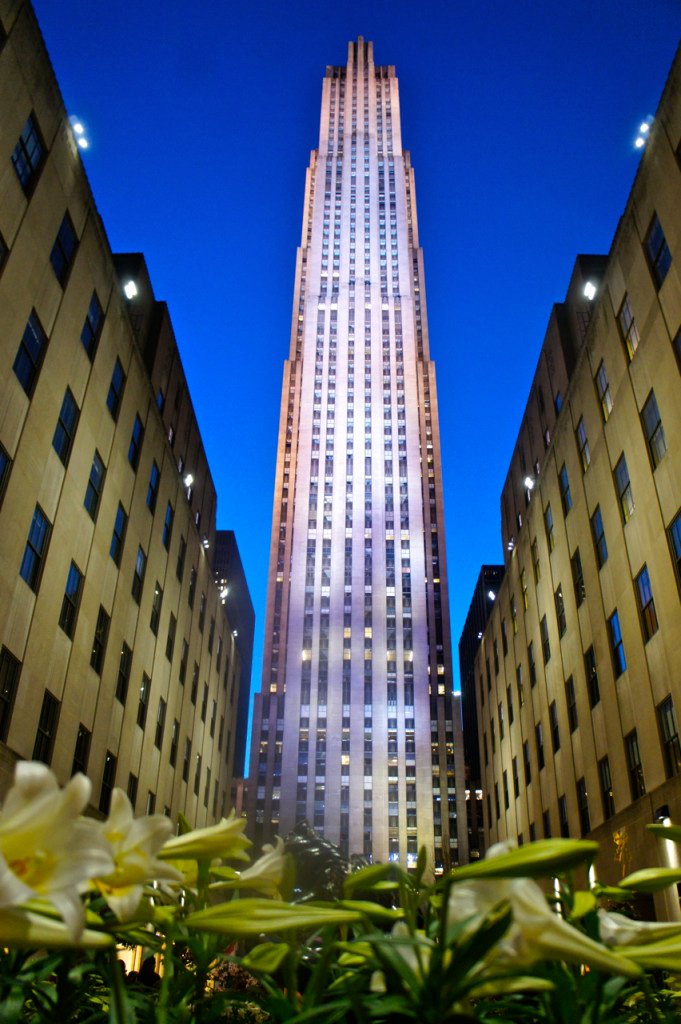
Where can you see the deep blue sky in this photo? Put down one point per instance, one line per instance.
(520, 117)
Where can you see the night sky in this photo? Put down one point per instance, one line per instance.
(520, 117)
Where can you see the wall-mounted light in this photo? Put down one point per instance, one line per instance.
(590, 290)
(205, 542)
(529, 483)
(491, 595)
(78, 129)
(188, 480)
(643, 133)
(130, 289)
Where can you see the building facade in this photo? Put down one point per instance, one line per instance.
(354, 729)
(577, 674)
(117, 657)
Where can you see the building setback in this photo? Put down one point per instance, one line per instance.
(578, 708)
(116, 656)
(354, 729)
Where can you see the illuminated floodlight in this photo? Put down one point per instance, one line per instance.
(83, 142)
(640, 142)
(491, 595)
(590, 290)
(206, 543)
(130, 289)
(78, 128)
(235, 632)
(479, 635)
(189, 480)
(529, 483)
(223, 594)
(645, 128)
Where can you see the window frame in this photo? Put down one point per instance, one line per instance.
(70, 605)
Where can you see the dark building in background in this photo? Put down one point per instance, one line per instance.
(481, 606)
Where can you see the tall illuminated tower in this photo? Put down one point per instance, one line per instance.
(355, 729)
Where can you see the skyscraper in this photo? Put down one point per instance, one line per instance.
(354, 729)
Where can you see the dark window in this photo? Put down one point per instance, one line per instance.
(197, 775)
(183, 661)
(170, 640)
(81, 753)
(4, 252)
(571, 701)
(598, 534)
(71, 600)
(560, 610)
(132, 789)
(36, 549)
(123, 677)
(519, 684)
(108, 782)
(168, 526)
(204, 702)
(202, 612)
(93, 491)
(565, 496)
(674, 533)
(115, 395)
(195, 683)
(160, 723)
(527, 763)
(546, 823)
(505, 788)
(192, 588)
(181, 554)
(516, 780)
(619, 661)
(545, 645)
(143, 704)
(10, 670)
(138, 577)
(211, 636)
(99, 641)
(213, 717)
(92, 327)
(635, 767)
(504, 637)
(563, 817)
(583, 805)
(156, 609)
(496, 658)
(5, 467)
(670, 737)
(532, 664)
(577, 578)
(64, 250)
(136, 439)
(118, 536)
(152, 489)
(624, 492)
(606, 788)
(47, 728)
(548, 523)
(603, 391)
(654, 431)
(186, 759)
(160, 400)
(591, 677)
(30, 354)
(66, 427)
(583, 444)
(539, 737)
(28, 156)
(218, 658)
(509, 701)
(536, 565)
(151, 802)
(646, 604)
(174, 741)
(657, 251)
(555, 731)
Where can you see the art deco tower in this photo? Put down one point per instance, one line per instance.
(355, 728)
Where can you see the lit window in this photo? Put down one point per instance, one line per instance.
(115, 394)
(624, 492)
(28, 155)
(619, 661)
(564, 483)
(657, 251)
(36, 549)
(603, 390)
(92, 326)
(548, 524)
(646, 604)
(583, 444)
(138, 576)
(66, 427)
(93, 491)
(64, 250)
(654, 431)
(30, 353)
(627, 326)
(71, 600)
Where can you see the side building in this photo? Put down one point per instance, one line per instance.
(117, 657)
(578, 714)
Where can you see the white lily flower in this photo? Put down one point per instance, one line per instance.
(225, 840)
(536, 932)
(265, 875)
(617, 930)
(46, 849)
(134, 843)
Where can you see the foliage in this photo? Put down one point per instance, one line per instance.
(377, 945)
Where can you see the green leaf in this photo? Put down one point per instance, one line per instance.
(510, 985)
(651, 879)
(372, 910)
(366, 879)
(583, 904)
(245, 917)
(672, 832)
(267, 957)
(542, 859)
(665, 955)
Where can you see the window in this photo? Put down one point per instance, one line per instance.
(627, 326)
(151, 802)
(536, 567)
(623, 485)
(495, 647)
(160, 723)
(81, 753)
(523, 588)
(3, 252)
(603, 391)
(591, 677)
(563, 817)
(583, 445)
(186, 759)
(64, 250)
(183, 662)
(527, 763)
(93, 491)
(646, 604)
(606, 788)
(504, 637)
(138, 577)
(634, 766)
(168, 526)
(519, 684)
(670, 737)
(136, 443)
(47, 728)
(516, 779)
(548, 525)
(619, 661)
(598, 534)
(545, 645)
(99, 641)
(565, 496)
(560, 610)
(10, 670)
(532, 664)
(114, 397)
(181, 555)
(546, 823)
(577, 577)
(174, 741)
(152, 489)
(132, 789)
(571, 702)
(509, 702)
(583, 806)
(108, 782)
(30, 354)
(66, 427)
(143, 703)
(36, 549)
(657, 251)
(674, 534)
(197, 775)
(92, 326)
(213, 717)
(202, 612)
(123, 677)
(156, 609)
(654, 431)
(5, 467)
(170, 641)
(118, 536)
(28, 156)
(555, 731)
(505, 788)
(195, 683)
(204, 702)
(514, 614)
(539, 737)
(71, 600)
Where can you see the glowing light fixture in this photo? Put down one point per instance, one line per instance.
(640, 142)
(235, 632)
(645, 128)
(83, 143)
(223, 594)
(479, 635)
(529, 483)
(78, 128)
(130, 289)
(188, 480)
(491, 595)
(590, 290)
(206, 543)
